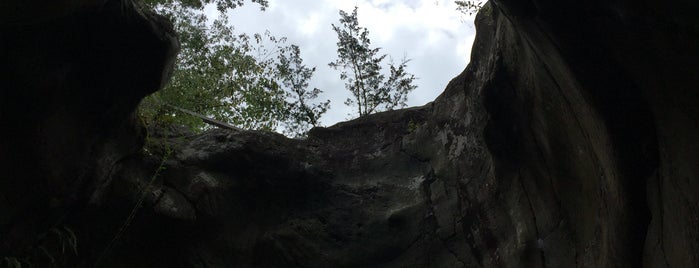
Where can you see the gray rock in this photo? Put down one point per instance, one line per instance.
(570, 140)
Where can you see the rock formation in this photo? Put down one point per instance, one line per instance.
(570, 140)
(72, 74)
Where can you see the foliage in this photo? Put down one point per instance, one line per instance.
(361, 69)
(469, 7)
(221, 5)
(12, 262)
(294, 76)
(236, 78)
(57, 247)
(412, 126)
(66, 239)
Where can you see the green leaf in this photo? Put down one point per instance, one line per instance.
(253, 82)
(361, 68)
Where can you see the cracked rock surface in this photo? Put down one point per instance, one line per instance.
(533, 156)
(570, 140)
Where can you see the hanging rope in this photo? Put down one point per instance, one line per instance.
(136, 207)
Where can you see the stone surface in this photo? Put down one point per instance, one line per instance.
(70, 79)
(570, 140)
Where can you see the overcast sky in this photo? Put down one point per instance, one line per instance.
(431, 33)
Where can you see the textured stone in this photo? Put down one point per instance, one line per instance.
(71, 74)
(570, 140)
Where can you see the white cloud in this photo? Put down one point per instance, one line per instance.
(310, 24)
(432, 33)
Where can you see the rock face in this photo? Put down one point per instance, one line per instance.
(570, 140)
(71, 77)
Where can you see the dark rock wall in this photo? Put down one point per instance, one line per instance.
(71, 78)
(625, 88)
(570, 140)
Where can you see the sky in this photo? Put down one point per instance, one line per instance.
(431, 33)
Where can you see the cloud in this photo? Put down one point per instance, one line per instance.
(431, 33)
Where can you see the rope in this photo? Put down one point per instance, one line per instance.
(207, 120)
(132, 214)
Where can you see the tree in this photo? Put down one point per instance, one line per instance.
(469, 7)
(238, 79)
(221, 5)
(294, 75)
(361, 68)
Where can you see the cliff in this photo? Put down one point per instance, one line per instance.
(570, 140)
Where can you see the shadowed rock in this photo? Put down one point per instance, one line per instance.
(570, 140)
(71, 79)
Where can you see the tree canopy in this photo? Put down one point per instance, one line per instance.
(221, 5)
(361, 68)
(469, 7)
(251, 81)
(260, 81)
